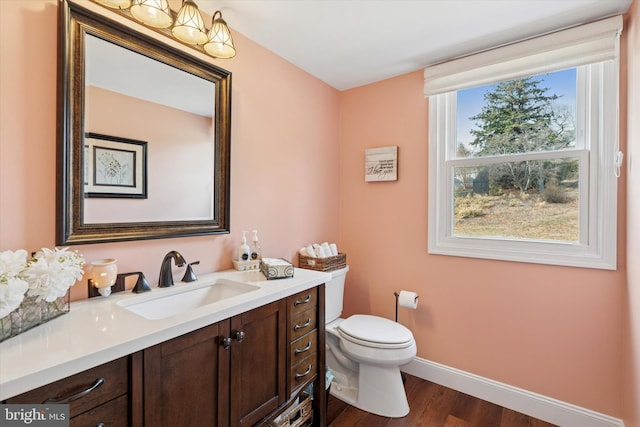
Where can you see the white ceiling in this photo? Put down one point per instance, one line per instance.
(350, 43)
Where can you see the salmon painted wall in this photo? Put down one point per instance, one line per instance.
(284, 151)
(632, 321)
(548, 329)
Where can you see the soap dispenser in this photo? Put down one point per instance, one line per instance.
(256, 250)
(244, 253)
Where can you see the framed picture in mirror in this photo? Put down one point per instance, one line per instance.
(115, 167)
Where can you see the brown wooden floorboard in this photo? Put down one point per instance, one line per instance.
(433, 405)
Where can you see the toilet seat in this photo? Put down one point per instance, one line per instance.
(376, 332)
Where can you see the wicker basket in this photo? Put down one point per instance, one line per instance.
(296, 416)
(323, 264)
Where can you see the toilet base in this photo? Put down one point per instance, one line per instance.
(379, 390)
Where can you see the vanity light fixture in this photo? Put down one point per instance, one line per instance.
(154, 13)
(220, 43)
(116, 4)
(189, 26)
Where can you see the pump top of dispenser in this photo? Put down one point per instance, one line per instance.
(256, 249)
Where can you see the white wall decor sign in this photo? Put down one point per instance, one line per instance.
(381, 164)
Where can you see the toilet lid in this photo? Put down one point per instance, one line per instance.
(365, 329)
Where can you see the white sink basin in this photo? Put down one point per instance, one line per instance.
(177, 300)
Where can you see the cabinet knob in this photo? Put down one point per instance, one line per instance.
(239, 336)
(225, 343)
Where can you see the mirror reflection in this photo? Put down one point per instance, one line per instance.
(167, 109)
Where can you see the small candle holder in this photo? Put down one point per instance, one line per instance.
(103, 275)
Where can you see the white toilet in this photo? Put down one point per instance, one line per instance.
(365, 353)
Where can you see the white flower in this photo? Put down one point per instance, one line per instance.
(12, 284)
(48, 275)
(11, 295)
(12, 263)
(51, 272)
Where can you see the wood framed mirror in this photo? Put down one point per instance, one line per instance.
(143, 138)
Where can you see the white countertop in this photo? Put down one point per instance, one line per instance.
(99, 330)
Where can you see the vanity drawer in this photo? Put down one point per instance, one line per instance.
(303, 301)
(302, 323)
(303, 371)
(85, 390)
(110, 414)
(303, 347)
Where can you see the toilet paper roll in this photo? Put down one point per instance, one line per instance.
(408, 299)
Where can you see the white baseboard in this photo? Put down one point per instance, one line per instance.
(535, 405)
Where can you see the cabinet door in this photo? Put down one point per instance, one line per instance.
(181, 380)
(258, 363)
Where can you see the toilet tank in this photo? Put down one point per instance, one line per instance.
(334, 293)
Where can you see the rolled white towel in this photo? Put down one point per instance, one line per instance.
(303, 252)
(310, 251)
(327, 250)
(334, 249)
(320, 252)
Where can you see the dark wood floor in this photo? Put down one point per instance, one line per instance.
(433, 405)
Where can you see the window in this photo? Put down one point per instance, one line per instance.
(523, 148)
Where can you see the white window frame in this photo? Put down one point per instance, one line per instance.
(594, 50)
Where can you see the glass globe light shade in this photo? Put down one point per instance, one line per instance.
(220, 43)
(154, 13)
(189, 26)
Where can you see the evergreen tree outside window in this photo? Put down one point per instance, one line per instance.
(521, 163)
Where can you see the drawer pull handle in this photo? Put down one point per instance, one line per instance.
(101, 425)
(302, 350)
(298, 327)
(78, 395)
(302, 301)
(305, 373)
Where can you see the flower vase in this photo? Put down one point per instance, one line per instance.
(27, 316)
(35, 290)
(5, 327)
(33, 311)
(56, 308)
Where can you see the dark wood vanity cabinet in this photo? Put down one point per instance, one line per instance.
(232, 373)
(242, 371)
(106, 395)
(306, 344)
(303, 338)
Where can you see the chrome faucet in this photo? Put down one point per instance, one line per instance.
(166, 277)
